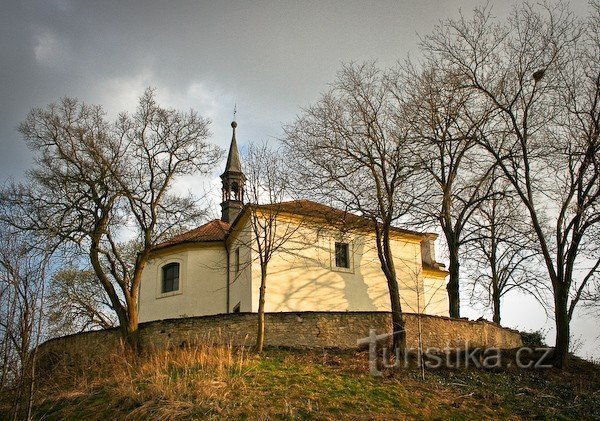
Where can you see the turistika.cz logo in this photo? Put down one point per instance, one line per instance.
(450, 357)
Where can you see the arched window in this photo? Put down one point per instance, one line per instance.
(170, 277)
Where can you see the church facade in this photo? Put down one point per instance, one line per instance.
(328, 262)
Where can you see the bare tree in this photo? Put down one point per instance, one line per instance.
(267, 183)
(24, 262)
(96, 184)
(77, 302)
(591, 297)
(501, 250)
(444, 122)
(540, 72)
(349, 149)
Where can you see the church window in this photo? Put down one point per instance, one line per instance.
(170, 277)
(342, 255)
(237, 260)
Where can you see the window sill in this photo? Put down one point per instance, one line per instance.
(340, 269)
(169, 294)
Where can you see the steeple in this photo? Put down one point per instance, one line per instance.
(233, 159)
(233, 181)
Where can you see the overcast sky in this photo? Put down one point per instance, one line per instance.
(271, 58)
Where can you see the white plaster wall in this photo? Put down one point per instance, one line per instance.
(303, 277)
(240, 286)
(202, 284)
(435, 295)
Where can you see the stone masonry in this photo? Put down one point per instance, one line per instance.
(296, 330)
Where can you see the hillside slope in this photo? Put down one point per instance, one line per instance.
(221, 382)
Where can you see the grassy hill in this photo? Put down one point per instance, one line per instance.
(222, 382)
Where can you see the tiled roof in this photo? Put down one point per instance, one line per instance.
(215, 230)
(328, 214)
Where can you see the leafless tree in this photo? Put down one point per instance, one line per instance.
(501, 251)
(540, 72)
(444, 122)
(349, 149)
(267, 187)
(591, 297)
(96, 185)
(424, 299)
(77, 303)
(23, 266)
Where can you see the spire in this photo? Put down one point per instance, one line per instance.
(233, 159)
(233, 183)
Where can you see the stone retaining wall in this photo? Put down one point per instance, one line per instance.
(296, 330)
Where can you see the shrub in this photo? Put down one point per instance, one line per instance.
(533, 339)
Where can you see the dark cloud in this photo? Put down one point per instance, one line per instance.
(270, 57)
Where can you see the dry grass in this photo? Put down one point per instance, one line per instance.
(199, 381)
(162, 384)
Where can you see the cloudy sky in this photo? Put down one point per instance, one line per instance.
(269, 58)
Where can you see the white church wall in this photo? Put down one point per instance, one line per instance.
(240, 287)
(435, 295)
(302, 276)
(202, 284)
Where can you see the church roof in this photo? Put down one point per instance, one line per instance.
(234, 164)
(327, 213)
(215, 230)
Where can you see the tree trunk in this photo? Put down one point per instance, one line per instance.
(133, 333)
(563, 331)
(128, 313)
(389, 269)
(260, 336)
(117, 306)
(453, 286)
(31, 383)
(398, 324)
(496, 299)
(495, 293)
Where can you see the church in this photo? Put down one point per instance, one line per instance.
(328, 262)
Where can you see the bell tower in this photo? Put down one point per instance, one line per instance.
(233, 180)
